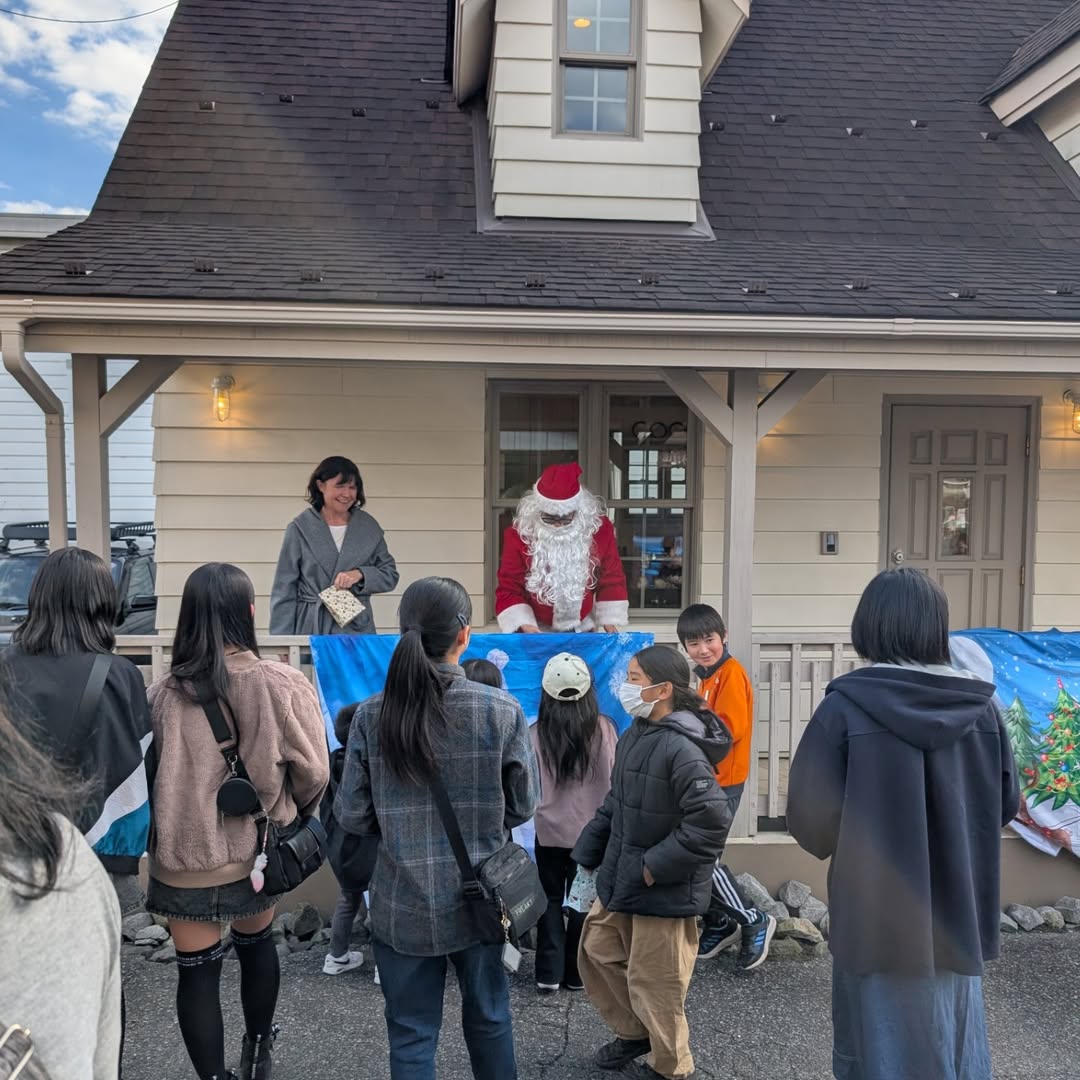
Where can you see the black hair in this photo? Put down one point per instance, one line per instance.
(72, 606)
(215, 613)
(483, 671)
(902, 616)
(328, 469)
(566, 730)
(34, 794)
(412, 717)
(343, 721)
(662, 664)
(699, 621)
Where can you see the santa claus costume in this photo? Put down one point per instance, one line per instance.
(562, 577)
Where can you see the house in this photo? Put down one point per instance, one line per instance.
(798, 282)
(22, 442)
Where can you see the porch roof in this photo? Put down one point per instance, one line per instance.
(360, 179)
(1059, 31)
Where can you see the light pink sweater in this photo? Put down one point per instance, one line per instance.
(282, 743)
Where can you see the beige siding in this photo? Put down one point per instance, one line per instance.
(537, 173)
(1060, 122)
(226, 491)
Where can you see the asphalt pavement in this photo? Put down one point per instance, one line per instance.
(771, 1025)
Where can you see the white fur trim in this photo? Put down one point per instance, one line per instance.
(558, 506)
(516, 616)
(611, 612)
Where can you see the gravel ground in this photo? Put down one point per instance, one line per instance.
(773, 1025)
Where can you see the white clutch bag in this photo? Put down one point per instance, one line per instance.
(583, 891)
(342, 604)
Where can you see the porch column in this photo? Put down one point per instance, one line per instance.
(88, 387)
(12, 345)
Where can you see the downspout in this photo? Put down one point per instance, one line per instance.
(12, 345)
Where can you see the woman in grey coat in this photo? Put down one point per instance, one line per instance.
(333, 543)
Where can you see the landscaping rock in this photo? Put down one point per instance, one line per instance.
(152, 935)
(286, 920)
(160, 920)
(296, 945)
(800, 930)
(322, 937)
(166, 954)
(754, 892)
(306, 922)
(1008, 925)
(794, 894)
(283, 951)
(814, 910)
(134, 924)
(1025, 917)
(823, 926)
(820, 950)
(1052, 919)
(776, 909)
(1069, 906)
(786, 949)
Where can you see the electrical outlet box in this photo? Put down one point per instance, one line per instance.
(830, 543)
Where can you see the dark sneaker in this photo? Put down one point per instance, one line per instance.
(620, 1052)
(640, 1071)
(255, 1060)
(756, 937)
(715, 939)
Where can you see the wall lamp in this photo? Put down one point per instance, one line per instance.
(1072, 400)
(221, 393)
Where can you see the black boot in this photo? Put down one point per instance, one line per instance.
(255, 1063)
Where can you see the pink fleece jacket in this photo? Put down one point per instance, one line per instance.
(283, 745)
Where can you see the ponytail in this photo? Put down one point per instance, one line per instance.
(412, 718)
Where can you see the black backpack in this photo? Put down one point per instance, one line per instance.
(352, 858)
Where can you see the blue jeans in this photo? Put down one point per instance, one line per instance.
(413, 987)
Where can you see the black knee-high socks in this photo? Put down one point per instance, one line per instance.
(260, 977)
(198, 1008)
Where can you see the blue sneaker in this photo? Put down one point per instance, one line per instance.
(716, 938)
(756, 937)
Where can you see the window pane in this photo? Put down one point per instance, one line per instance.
(611, 116)
(615, 9)
(595, 98)
(598, 26)
(580, 82)
(612, 84)
(652, 545)
(955, 516)
(535, 431)
(614, 37)
(647, 440)
(580, 116)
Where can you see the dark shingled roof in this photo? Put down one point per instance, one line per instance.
(1046, 40)
(359, 179)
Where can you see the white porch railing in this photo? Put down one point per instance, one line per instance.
(789, 673)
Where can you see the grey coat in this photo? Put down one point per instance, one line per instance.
(310, 561)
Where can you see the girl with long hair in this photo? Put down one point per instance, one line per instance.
(201, 861)
(55, 904)
(653, 845)
(575, 746)
(431, 722)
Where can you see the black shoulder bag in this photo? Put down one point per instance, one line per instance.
(504, 890)
(292, 852)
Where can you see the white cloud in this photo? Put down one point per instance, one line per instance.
(98, 70)
(36, 206)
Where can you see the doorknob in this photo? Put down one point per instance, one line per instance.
(897, 556)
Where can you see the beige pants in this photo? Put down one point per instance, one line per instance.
(636, 970)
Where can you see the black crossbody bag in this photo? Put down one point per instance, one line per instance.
(293, 852)
(504, 890)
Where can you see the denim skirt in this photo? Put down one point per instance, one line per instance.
(216, 903)
(903, 1027)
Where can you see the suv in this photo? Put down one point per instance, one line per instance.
(23, 548)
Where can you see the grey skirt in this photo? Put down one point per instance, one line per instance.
(216, 903)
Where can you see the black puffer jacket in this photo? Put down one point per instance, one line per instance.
(666, 811)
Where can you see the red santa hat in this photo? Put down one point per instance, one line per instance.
(558, 491)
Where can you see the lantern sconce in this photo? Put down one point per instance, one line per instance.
(221, 391)
(1072, 400)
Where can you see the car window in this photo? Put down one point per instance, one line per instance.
(16, 574)
(117, 569)
(141, 581)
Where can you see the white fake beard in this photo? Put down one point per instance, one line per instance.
(562, 567)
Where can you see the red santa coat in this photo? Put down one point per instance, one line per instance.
(607, 604)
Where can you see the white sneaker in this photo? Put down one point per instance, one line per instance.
(334, 965)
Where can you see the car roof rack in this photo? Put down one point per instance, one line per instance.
(37, 532)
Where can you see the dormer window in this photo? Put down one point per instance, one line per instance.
(599, 46)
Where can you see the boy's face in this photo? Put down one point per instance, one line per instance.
(705, 651)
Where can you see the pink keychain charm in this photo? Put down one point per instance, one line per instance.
(257, 872)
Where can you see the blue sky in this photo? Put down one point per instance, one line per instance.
(66, 91)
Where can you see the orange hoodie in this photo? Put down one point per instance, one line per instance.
(730, 695)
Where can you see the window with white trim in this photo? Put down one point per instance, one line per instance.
(599, 56)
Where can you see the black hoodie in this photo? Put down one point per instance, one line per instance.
(666, 811)
(905, 778)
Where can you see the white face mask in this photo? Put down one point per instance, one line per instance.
(631, 700)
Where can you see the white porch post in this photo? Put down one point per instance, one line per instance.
(88, 387)
(12, 345)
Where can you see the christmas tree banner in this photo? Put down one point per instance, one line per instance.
(352, 667)
(1038, 687)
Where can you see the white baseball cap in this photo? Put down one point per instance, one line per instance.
(566, 677)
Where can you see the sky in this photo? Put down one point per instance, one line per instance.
(66, 92)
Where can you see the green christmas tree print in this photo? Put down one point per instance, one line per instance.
(1055, 771)
(1025, 743)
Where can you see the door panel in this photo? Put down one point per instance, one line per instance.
(957, 505)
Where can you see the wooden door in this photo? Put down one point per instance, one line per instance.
(957, 505)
